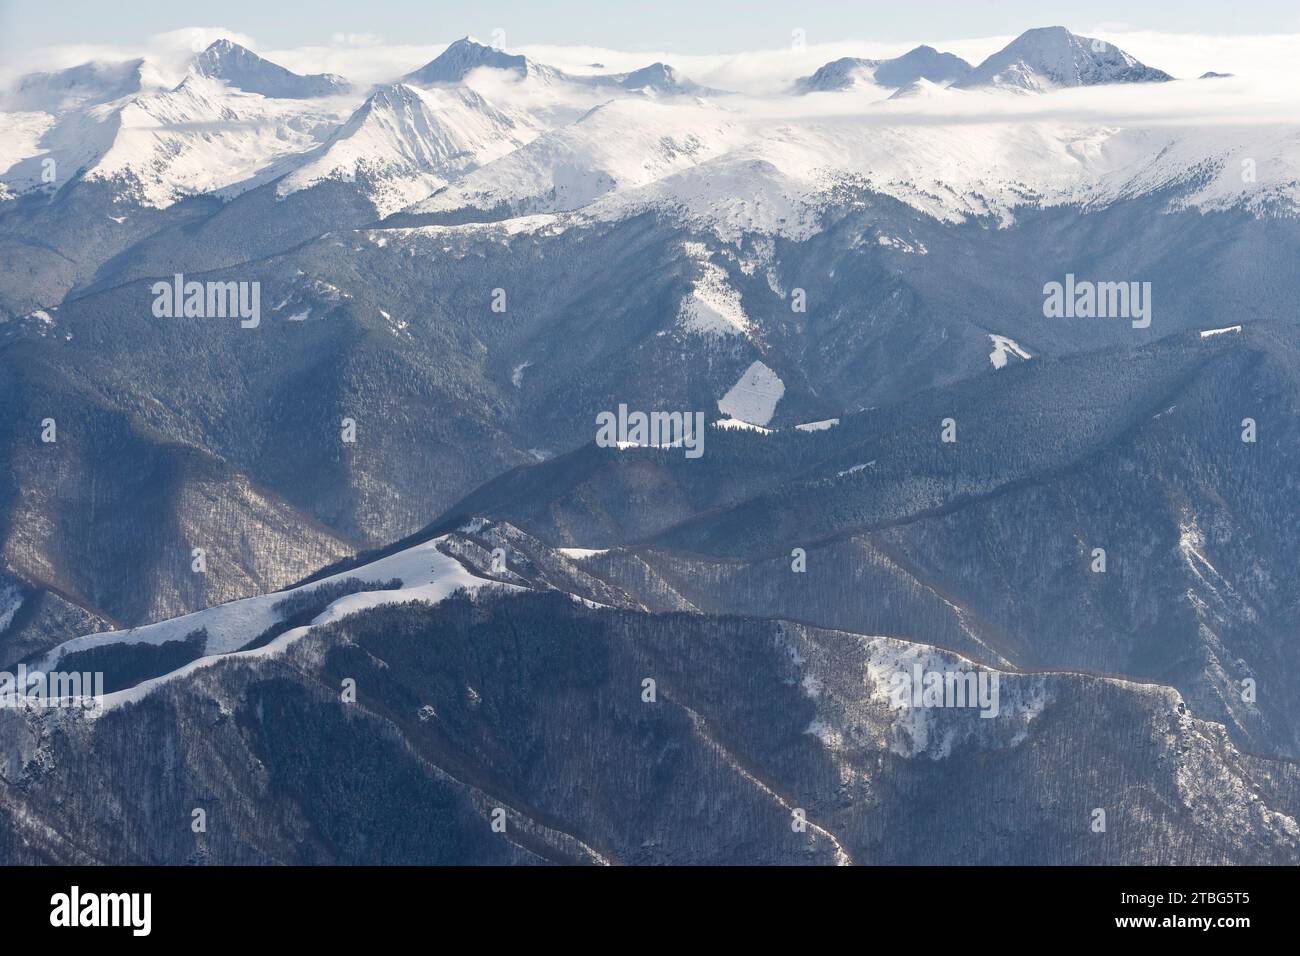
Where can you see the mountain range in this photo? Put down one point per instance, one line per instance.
(392, 478)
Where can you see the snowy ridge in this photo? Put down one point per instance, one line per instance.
(203, 137)
(404, 143)
(425, 572)
(620, 145)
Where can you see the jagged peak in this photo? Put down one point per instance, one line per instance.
(226, 60)
(462, 57)
(1042, 58)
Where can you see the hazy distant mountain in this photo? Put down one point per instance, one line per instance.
(924, 62)
(662, 78)
(79, 86)
(466, 55)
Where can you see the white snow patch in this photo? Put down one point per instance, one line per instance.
(1002, 347)
(1191, 541)
(831, 738)
(735, 424)
(396, 325)
(753, 399)
(818, 426)
(582, 554)
(936, 732)
(894, 242)
(713, 307)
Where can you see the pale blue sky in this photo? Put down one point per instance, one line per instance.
(686, 26)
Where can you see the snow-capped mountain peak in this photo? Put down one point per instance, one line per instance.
(403, 143)
(661, 78)
(842, 74)
(1049, 57)
(245, 70)
(461, 58)
(918, 89)
(921, 63)
(466, 55)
